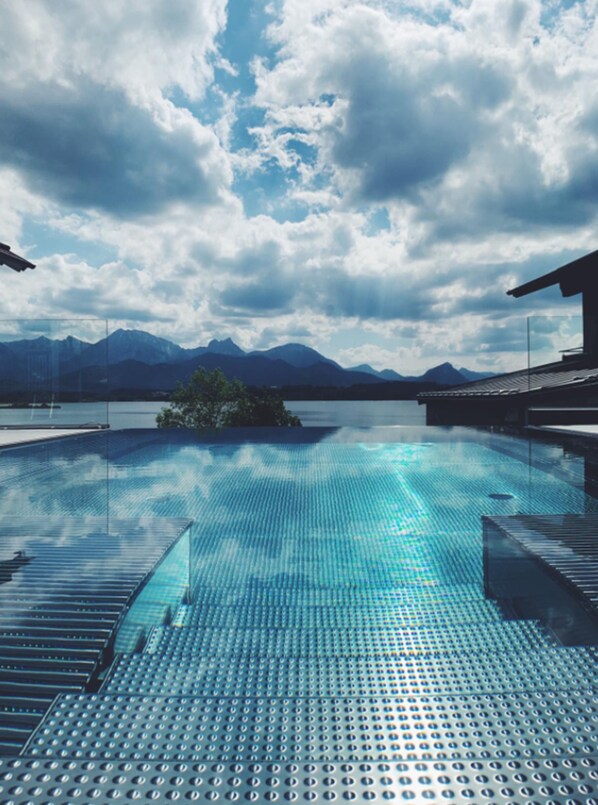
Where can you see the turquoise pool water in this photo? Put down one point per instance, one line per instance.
(338, 641)
(420, 481)
(377, 509)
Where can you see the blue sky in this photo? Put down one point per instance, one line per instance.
(365, 177)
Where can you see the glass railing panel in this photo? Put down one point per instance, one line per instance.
(159, 600)
(53, 373)
(554, 338)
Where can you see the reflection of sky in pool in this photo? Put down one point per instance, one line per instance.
(343, 564)
(323, 512)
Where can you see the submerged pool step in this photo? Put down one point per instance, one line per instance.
(182, 644)
(87, 611)
(550, 781)
(34, 652)
(24, 710)
(321, 572)
(537, 724)
(431, 674)
(80, 597)
(22, 721)
(14, 734)
(58, 619)
(22, 685)
(260, 594)
(562, 552)
(44, 675)
(45, 639)
(66, 585)
(275, 617)
(19, 716)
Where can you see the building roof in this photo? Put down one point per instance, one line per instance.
(12, 260)
(573, 277)
(540, 378)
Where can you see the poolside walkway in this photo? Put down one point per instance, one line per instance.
(582, 430)
(10, 437)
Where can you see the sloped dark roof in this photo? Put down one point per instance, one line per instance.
(540, 378)
(573, 277)
(12, 260)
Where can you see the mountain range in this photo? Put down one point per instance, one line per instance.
(140, 362)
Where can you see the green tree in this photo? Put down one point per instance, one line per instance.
(262, 408)
(212, 401)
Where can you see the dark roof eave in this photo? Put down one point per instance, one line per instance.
(535, 285)
(573, 277)
(12, 260)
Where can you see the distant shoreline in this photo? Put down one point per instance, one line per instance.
(142, 414)
(374, 392)
(15, 405)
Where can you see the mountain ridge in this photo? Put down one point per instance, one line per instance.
(140, 360)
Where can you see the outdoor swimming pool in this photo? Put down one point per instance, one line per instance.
(338, 642)
(299, 483)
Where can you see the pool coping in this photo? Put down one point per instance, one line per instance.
(12, 438)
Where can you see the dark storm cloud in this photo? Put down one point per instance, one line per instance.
(400, 134)
(258, 297)
(481, 85)
(262, 260)
(514, 196)
(583, 185)
(589, 121)
(567, 204)
(571, 202)
(508, 335)
(261, 281)
(484, 289)
(89, 301)
(369, 297)
(89, 147)
(271, 286)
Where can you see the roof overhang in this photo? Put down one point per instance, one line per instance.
(573, 278)
(12, 260)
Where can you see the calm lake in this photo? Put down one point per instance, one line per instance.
(314, 413)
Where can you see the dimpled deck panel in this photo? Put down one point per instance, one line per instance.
(156, 675)
(442, 599)
(566, 781)
(338, 646)
(187, 643)
(505, 725)
(341, 616)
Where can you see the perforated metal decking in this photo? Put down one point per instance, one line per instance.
(328, 656)
(429, 698)
(64, 586)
